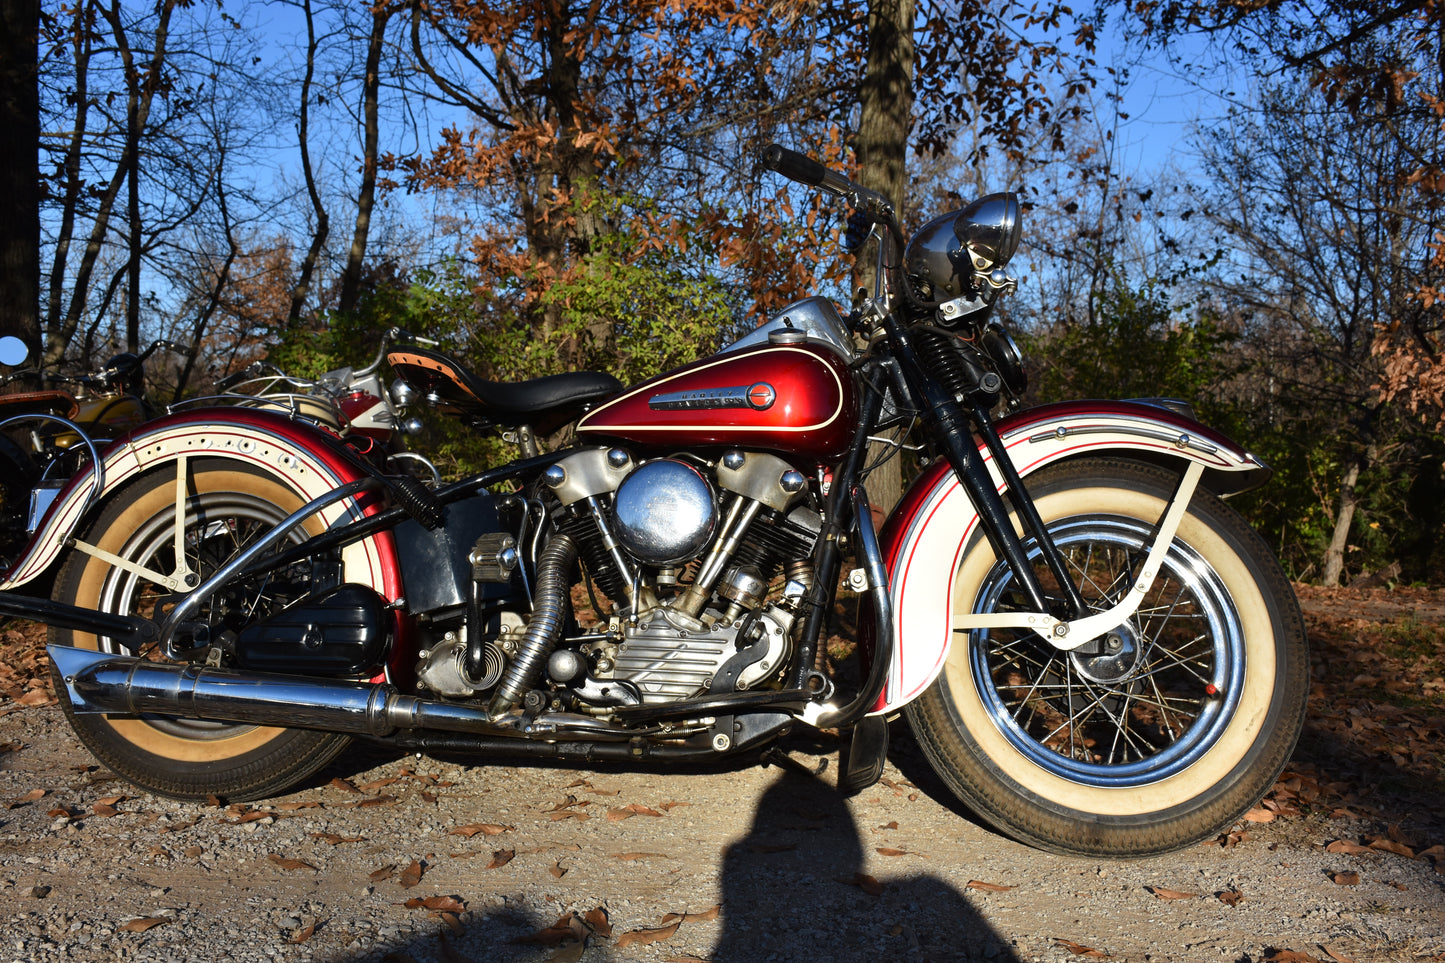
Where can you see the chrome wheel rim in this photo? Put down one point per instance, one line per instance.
(1140, 711)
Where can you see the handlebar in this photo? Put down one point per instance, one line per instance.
(804, 170)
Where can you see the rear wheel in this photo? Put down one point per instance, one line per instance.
(1167, 735)
(227, 507)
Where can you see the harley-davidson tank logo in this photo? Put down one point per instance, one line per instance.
(758, 396)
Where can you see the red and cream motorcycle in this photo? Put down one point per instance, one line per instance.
(1094, 652)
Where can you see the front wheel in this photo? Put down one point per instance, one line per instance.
(1177, 725)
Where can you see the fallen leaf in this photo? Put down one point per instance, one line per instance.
(568, 953)
(254, 816)
(103, 811)
(1258, 815)
(556, 870)
(378, 784)
(290, 864)
(598, 921)
(885, 851)
(30, 797)
(1230, 897)
(1170, 893)
(987, 887)
(648, 936)
(412, 874)
(143, 924)
(1289, 956)
(343, 785)
(336, 840)
(1345, 846)
(448, 953)
(567, 814)
(303, 934)
(1078, 949)
(867, 884)
(670, 806)
(1336, 955)
(704, 916)
(386, 872)
(568, 927)
(437, 904)
(485, 829)
(1346, 879)
(36, 697)
(1391, 846)
(501, 858)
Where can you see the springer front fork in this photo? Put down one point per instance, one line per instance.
(1065, 622)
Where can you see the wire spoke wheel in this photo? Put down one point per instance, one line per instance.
(225, 507)
(1161, 732)
(1154, 694)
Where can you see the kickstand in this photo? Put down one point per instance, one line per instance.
(777, 757)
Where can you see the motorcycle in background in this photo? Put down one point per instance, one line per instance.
(355, 403)
(51, 431)
(1096, 654)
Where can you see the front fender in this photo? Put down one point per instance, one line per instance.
(308, 458)
(923, 540)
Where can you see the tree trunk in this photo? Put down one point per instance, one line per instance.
(366, 197)
(20, 172)
(1344, 518)
(303, 135)
(886, 110)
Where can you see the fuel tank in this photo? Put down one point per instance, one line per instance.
(791, 394)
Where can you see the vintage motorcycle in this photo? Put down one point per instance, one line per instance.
(1094, 652)
(47, 434)
(351, 402)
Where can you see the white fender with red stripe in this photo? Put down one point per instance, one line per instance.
(923, 540)
(313, 462)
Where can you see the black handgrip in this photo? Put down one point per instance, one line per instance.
(803, 169)
(250, 371)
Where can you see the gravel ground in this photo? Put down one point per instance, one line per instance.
(396, 858)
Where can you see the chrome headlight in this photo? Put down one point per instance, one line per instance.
(989, 229)
(955, 254)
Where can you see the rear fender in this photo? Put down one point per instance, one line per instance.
(309, 459)
(923, 540)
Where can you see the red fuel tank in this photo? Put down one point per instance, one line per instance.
(794, 399)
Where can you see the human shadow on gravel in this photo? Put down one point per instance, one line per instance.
(802, 884)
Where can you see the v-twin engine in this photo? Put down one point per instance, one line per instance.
(704, 563)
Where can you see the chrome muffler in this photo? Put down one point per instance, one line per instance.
(102, 682)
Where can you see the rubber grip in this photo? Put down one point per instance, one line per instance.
(794, 166)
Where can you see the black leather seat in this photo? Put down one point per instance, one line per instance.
(544, 403)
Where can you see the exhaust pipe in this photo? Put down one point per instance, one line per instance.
(102, 682)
